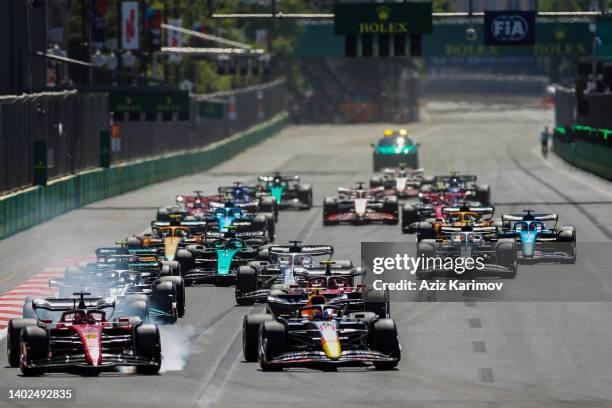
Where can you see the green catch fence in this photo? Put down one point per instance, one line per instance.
(32, 206)
(586, 148)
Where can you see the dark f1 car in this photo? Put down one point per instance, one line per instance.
(83, 337)
(287, 191)
(230, 215)
(140, 274)
(218, 260)
(167, 237)
(360, 206)
(430, 206)
(490, 256)
(454, 218)
(252, 199)
(320, 334)
(456, 182)
(538, 242)
(284, 264)
(196, 205)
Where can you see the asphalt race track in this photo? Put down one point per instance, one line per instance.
(550, 344)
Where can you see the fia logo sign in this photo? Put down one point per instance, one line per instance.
(509, 27)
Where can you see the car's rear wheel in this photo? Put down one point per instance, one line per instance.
(162, 297)
(163, 214)
(13, 337)
(179, 284)
(377, 301)
(409, 215)
(138, 308)
(567, 239)
(246, 282)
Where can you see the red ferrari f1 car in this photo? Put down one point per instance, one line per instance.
(81, 338)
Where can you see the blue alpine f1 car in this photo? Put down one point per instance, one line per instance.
(537, 241)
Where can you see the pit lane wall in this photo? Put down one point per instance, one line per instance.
(584, 147)
(30, 207)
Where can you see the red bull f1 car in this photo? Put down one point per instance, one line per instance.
(321, 334)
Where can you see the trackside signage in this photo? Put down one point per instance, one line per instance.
(509, 27)
(149, 102)
(383, 18)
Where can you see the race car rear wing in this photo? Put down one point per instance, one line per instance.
(195, 227)
(249, 189)
(482, 211)
(314, 250)
(481, 230)
(66, 304)
(203, 199)
(466, 178)
(530, 216)
(279, 177)
(124, 252)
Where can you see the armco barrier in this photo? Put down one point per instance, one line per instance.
(593, 157)
(29, 207)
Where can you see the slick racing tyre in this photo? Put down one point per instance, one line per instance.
(271, 227)
(390, 205)
(305, 196)
(246, 282)
(425, 230)
(376, 163)
(267, 204)
(386, 341)
(330, 207)
(148, 345)
(13, 337)
(377, 301)
(505, 254)
(179, 285)
(162, 297)
(483, 194)
(566, 239)
(409, 215)
(34, 345)
(186, 260)
(163, 214)
(376, 181)
(250, 334)
(426, 249)
(133, 242)
(272, 343)
(138, 308)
